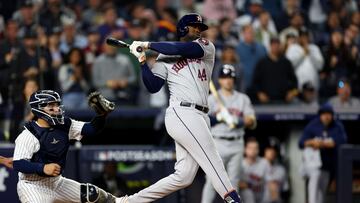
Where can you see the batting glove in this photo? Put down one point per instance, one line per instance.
(139, 55)
(144, 45)
(225, 116)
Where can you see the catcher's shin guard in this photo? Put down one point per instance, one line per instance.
(232, 197)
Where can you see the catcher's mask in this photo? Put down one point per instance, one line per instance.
(41, 99)
(189, 19)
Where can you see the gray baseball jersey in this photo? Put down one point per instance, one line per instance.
(38, 189)
(188, 81)
(277, 173)
(254, 175)
(238, 105)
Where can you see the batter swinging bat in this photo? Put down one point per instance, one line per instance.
(227, 116)
(121, 44)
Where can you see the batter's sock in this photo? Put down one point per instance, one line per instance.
(232, 197)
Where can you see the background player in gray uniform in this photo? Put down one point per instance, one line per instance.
(186, 66)
(253, 175)
(276, 182)
(229, 138)
(40, 154)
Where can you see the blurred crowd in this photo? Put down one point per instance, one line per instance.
(301, 52)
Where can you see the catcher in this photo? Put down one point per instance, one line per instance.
(41, 148)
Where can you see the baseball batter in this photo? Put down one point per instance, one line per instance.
(40, 154)
(228, 137)
(186, 66)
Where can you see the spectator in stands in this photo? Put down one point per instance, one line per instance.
(343, 99)
(229, 56)
(250, 52)
(114, 76)
(30, 86)
(254, 9)
(110, 25)
(25, 17)
(212, 34)
(54, 48)
(9, 51)
(166, 29)
(296, 23)
(51, 16)
(290, 7)
(110, 181)
(72, 80)
(332, 24)
(276, 180)
(290, 38)
(189, 6)
(340, 62)
(252, 181)
(355, 18)
(92, 15)
(215, 10)
(21, 112)
(308, 96)
(321, 140)
(264, 31)
(136, 11)
(151, 26)
(306, 59)
(70, 38)
(35, 62)
(351, 36)
(93, 49)
(317, 12)
(226, 34)
(274, 77)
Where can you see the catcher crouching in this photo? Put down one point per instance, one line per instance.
(41, 149)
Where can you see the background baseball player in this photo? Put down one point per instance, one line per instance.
(41, 148)
(320, 141)
(252, 179)
(228, 132)
(187, 67)
(276, 181)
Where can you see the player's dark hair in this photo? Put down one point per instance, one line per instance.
(251, 140)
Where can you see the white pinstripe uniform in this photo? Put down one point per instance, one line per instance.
(188, 81)
(33, 188)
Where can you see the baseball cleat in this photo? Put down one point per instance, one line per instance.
(123, 199)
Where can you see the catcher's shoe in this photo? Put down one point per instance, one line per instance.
(123, 199)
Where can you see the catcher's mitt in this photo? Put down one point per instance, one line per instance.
(100, 104)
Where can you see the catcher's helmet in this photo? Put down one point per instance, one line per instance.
(227, 71)
(40, 99)
(189, 19)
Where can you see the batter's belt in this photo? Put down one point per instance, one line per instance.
(196, 106)
(227, 138)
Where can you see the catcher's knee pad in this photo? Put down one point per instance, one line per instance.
(89, 193)
(93, 194)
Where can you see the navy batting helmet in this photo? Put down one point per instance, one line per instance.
(189, 19)
(227, 71)
(40, 99)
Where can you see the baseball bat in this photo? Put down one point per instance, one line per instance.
(219, 100)
(121, 44)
